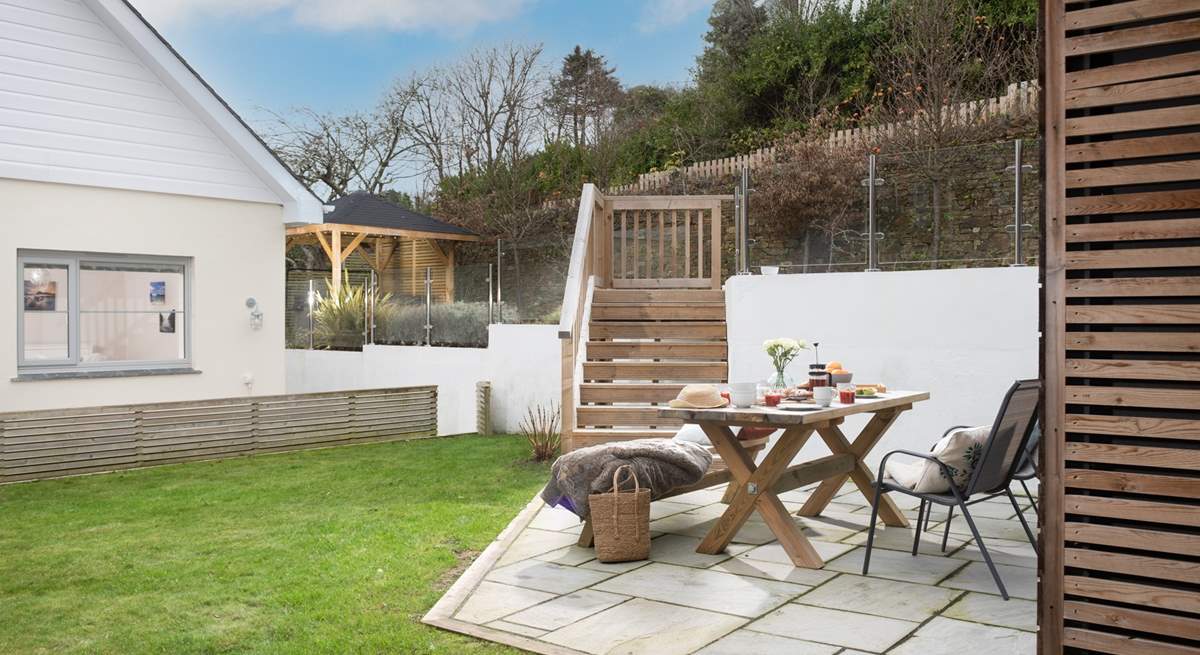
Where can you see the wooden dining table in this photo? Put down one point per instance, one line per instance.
(757, 487)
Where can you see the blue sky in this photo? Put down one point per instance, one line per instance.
(340, 55)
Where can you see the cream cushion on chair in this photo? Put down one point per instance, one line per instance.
(959, 451)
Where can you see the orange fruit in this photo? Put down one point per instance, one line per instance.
(838, 371)
(833, 366)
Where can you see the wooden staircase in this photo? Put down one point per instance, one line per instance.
(643, 313)
(643, 346)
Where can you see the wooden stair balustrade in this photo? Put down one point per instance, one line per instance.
(643, 313)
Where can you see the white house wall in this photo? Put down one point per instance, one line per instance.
(237, 250)
(78, 106)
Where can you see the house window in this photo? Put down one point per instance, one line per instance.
(80, 311)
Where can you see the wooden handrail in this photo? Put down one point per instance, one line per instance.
(581, 255)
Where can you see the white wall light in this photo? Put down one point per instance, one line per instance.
(256, 315)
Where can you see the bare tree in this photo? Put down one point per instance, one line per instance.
(941, 58)
(336, 154)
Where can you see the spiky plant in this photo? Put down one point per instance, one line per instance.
(540, 429)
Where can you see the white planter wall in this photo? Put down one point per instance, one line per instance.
(964, 335)
(521, 361)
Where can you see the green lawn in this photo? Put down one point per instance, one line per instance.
(326, 551)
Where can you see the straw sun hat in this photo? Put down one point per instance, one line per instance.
(699, 396)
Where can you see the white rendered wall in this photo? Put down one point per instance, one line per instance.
(964, 335)
(237, 250)
(521, 361)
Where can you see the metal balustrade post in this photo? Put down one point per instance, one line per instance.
(1018, 226)
(311, 301)
(499, 290)
(490, 292)
(428, 306)
(872, 235)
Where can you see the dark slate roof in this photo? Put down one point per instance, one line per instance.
(362, 208)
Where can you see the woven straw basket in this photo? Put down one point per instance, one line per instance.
(621, 521)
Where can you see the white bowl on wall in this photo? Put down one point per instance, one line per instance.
(769, 270)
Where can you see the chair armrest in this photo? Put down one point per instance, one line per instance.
(912, 453)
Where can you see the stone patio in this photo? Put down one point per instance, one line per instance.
(535, 590)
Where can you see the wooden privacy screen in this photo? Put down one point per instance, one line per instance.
(666, 241)
(62, 442)
(1120, 564)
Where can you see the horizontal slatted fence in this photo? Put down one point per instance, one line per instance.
(1121, 560)
(63, 442)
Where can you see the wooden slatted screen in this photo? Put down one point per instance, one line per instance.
(1120, 564)
(63, 442)
(666, 241)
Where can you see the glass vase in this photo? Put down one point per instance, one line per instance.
(779, 380)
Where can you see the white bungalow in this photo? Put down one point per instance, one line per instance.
(143, 220)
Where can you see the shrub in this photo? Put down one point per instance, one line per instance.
(339, 317)
(454, 324)
(540, 429)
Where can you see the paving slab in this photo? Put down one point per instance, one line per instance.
(546, 576)
(991, 528)
(492, 600)
(1003, 551)
(1015, 613)
(890, 598)
(746, 642)
(614, 567)
(1020, 581)
(942, 636)
(532, 542)
(897, 565)
(681, 549)
(701, 496)
(565, 610)
(645, 627)
(704, 589)
(569, 556)
(523, 630)
(783, 572)
(555, 519)
(774, 552)
(897, 538)
(872, 633)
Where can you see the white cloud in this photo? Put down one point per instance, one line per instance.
(661, 14)
(341, 15)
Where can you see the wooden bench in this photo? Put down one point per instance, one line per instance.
(717, 473)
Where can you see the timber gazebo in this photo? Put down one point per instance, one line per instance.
(396, 243)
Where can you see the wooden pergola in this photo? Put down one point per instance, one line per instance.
(388, 238)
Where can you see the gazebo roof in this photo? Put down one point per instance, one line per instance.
(368, 210)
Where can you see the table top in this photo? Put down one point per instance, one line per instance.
(773, 417)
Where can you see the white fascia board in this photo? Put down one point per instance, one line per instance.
(300, 206)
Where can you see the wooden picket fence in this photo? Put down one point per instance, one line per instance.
(1021, 97)
(63, 442)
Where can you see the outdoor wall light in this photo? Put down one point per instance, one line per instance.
(256, 315)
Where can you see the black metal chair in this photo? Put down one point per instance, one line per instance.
(1000, 460)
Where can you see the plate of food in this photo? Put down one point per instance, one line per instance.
(867, 392)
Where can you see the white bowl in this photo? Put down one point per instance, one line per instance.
(841, 378)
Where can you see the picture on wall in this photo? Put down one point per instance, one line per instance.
(40, 296)
(166, 322)
(158, 293)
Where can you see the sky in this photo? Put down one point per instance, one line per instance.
(341, 55)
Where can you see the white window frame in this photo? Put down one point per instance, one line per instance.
(73, 260)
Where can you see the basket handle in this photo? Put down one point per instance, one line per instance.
(616, 489)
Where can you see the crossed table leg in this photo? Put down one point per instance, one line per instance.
(754, 487)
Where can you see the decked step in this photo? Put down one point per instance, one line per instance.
(649, 330)
(592, 436)
(674, 371)
(627, 392)
(697, 351)
(623, 417)
(660, 311)
(658, 295)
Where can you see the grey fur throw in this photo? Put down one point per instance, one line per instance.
(660, 464)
